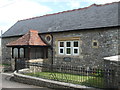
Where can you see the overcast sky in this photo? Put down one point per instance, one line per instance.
(13, 10)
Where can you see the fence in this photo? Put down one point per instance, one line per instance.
(93, 77)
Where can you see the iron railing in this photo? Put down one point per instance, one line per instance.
(93, 77)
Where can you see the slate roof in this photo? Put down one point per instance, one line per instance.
(30, 39)
(94, 16)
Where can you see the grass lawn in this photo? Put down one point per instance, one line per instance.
(71, 78)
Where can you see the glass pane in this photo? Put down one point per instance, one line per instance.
(61, 44)
(94, 43)
(48, 38)
(76, 44)
(68, 44)
(15, 52)
(75, 51)
(21, 52)
(61, 50)
(68, 51)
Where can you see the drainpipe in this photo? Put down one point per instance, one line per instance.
(52, 53)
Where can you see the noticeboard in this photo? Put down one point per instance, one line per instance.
(67, 59)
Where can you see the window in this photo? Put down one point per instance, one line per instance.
(15, 53)
(48, 38)
(61, 48)
(68, 44)
(61, 44)
(75, 48)
(75, 43)
(21, 52)
(95, 44)
(68, 47)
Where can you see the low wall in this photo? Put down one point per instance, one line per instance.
(47, 83)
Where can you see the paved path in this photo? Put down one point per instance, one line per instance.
(7, 83)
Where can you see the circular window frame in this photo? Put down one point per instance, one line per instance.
(49, 41)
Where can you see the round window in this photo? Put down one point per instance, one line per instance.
(48, 38)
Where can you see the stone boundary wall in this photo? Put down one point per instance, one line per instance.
(47, 83)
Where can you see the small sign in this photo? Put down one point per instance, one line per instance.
(67, 59)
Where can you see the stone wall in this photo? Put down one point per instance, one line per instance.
(40, 83)
(89, 56)
(7, 51)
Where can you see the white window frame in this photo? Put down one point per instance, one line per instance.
(71, 47)
(76, 48)
(61, 48)
(60, 52)
(68, 47)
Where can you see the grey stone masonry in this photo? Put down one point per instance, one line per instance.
(89, 56)
(6, 51)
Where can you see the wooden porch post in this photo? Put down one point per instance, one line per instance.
(24, 52)
(12, 52)
(29, 49)
(18, 52)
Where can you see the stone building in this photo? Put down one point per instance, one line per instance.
(80, 37)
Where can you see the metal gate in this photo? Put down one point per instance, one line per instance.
(20, 63)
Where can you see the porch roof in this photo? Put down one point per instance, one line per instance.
(30, 39)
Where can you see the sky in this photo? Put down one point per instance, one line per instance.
(13, 10)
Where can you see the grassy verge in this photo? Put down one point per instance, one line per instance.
(5, 67)
(71, 78)
(4, 64)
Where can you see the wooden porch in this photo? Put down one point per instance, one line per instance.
(29, 47)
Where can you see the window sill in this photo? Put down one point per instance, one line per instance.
(68, 56)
